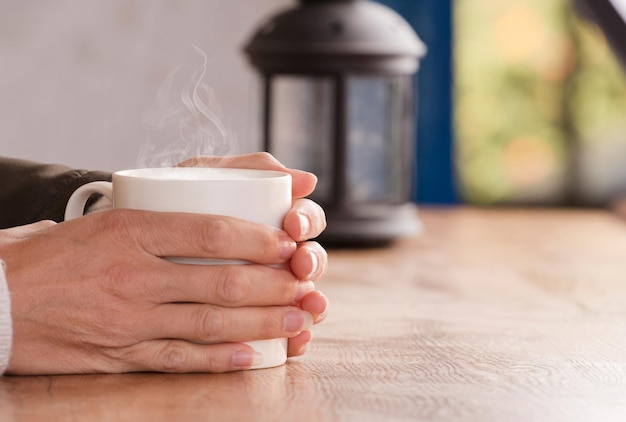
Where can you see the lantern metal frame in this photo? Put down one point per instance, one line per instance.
(340, 40)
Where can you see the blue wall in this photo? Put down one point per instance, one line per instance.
(436, 173)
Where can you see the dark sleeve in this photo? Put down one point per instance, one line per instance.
(31, 192)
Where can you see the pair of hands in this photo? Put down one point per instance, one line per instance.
(93, 294)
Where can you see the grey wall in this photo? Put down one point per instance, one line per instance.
(78, 78)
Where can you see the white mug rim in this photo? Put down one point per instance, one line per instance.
(212, 173)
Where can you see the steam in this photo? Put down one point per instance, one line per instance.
(187, 126)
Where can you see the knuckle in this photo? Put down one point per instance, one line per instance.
(43, 224)
(115, 331)
(173, 357)
(264, 157)
(117, 223)
(115, 359)
(233, 285)
(114, 219)
(215, 235)
(120, 277)
(209, 323)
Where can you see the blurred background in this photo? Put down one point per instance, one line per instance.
(540, 105)
(520, 101)
(78, 79)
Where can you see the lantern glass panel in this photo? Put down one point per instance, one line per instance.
(302, 119)
(379, 131)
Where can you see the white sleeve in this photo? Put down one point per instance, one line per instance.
(6, 329)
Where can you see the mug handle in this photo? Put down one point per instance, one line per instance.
(76, 204)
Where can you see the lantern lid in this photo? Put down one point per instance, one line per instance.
(336, 36)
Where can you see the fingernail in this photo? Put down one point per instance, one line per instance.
(246, 358)
(324, 308)
(315, 263)
(287, 247)
(305, 224)
(297, 321)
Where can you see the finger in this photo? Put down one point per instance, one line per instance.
(316, 304)
(257, 160)
(224, 285)
(28, 229)
(297, 345)
(309, 262)
(303, 183)
(215, 324)
(305, 220)
(199, 236)
(177, 356)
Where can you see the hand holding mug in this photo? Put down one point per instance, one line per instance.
(94, 295)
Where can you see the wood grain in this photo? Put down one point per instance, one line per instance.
(488, 315)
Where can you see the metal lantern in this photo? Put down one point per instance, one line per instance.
(338, 99)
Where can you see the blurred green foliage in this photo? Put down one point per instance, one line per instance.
(535, 85)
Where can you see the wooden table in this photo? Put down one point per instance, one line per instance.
(508, 315)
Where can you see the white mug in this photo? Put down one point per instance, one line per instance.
(260, 196)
